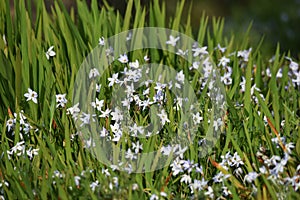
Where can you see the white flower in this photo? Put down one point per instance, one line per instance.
(197, 118)
(186, 179)
(50, 53)
(251, 177)
(117, 115)
(180, 151)
(89, 143)
(130, 155)
(117, 136)
(74, 111)
(105, 113)
(103, 132)
(226, 78)
(101, 41)
(180, 77)
(167, 150)
(279, 73)
(86, 118)
(289, 147)
(210, 192)
(10, 124)
(137, 146)
(172, 40)
(94, 73)
(200, 51)
(176, 166)
(98, 104)
(123, 58)
(163, 117)
(93, 185)
(135, 186)
(146, 58)
(244, 54)
(113, 79)
(129, 36)
(31, 95)
(32, 152)
(20, 146)
(207, 69)
(154, 197)
(222, 49)
(61, 100)
(134, 130)
(77, 179)
(4, 40)
(98, 87)
(263, 170)
(134, 65)
(297, 80)
(57, 174)
(198, 185)
(163, 194)
(226, 192)
(243, 84)
(294, 66)
(195, 65)
(224, 61)
(220, 177)
(182, 52)
(236, 160)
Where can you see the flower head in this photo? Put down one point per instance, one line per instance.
(163, 117)
(123, 58)
(50, 53)
(31, 95)
(61, 100)
(101, 41)
(172, 40)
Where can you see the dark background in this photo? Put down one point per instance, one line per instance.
(276, 20)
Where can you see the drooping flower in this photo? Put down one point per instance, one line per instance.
(94, 73)
(50, 52)
(210, 192)
(101, 41)
(146, 58)
(93, 185)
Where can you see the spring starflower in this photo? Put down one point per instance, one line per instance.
(31, 95)
(50, 53)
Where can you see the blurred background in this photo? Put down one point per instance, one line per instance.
(276, 20)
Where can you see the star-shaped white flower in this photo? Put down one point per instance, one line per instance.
(123, 58)
(31, 95)
(172, 40)
(163, 117)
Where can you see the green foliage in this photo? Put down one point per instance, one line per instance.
(62, 156)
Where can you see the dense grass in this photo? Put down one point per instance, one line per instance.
(44, 157)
